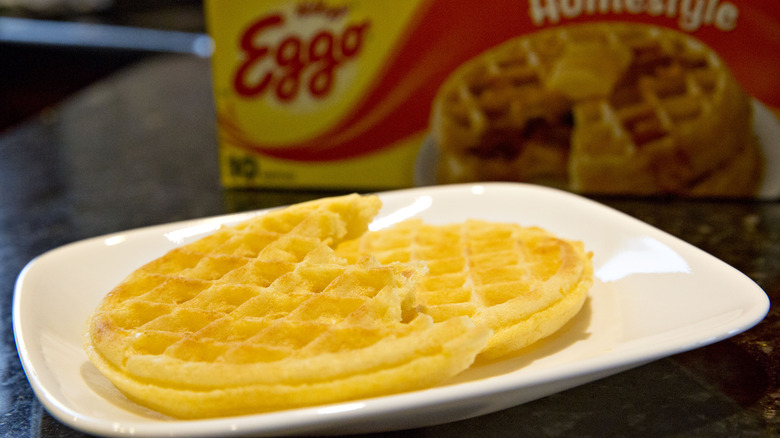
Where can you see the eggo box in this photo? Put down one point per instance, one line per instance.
(639, 97)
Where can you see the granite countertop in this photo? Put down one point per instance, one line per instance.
(139, 149)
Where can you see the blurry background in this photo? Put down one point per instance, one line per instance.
(50, 49)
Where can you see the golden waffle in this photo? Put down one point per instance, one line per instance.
(264, 316)
(521, 282)
(599, 108)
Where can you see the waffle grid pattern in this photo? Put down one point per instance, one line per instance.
(265, 316)
(594, 106)
(502, 276)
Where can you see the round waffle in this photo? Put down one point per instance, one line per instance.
(523, 283)
(599, 108)
(264, 316)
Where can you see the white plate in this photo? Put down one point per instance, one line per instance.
(654, 296)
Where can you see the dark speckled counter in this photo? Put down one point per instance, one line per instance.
(139, 149)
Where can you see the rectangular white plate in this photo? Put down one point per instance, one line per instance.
(654, 296)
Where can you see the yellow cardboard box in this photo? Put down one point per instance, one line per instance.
(335, 94)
